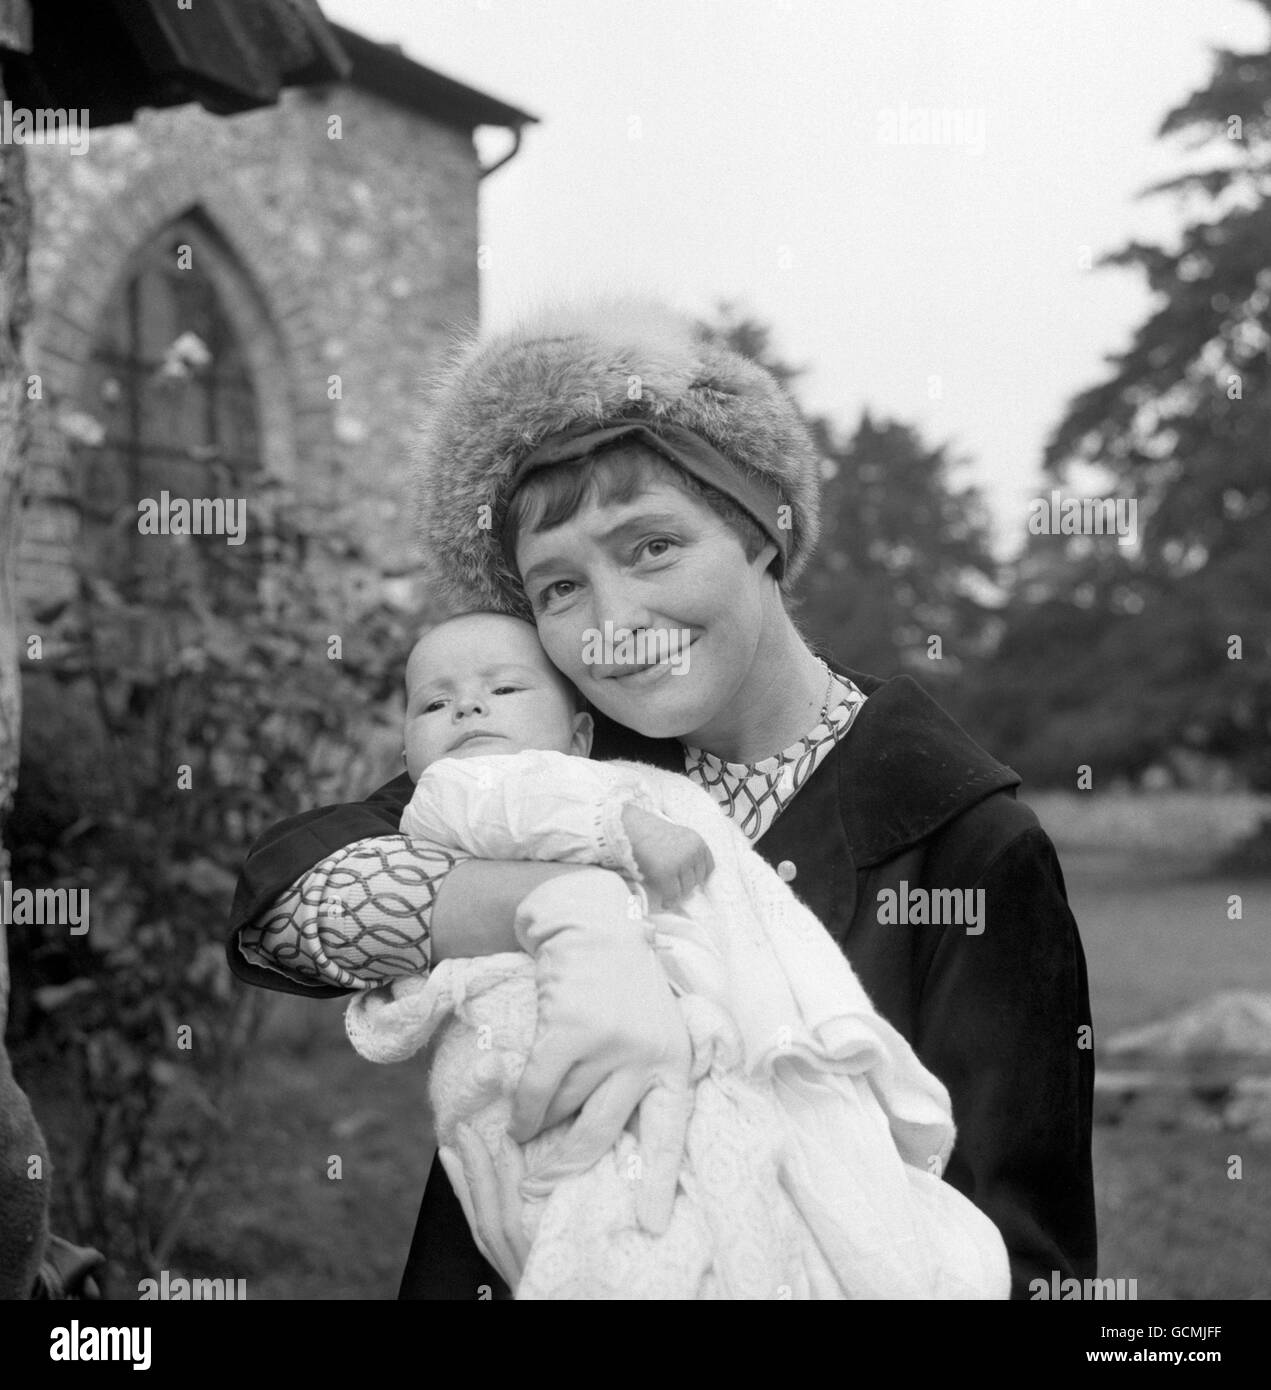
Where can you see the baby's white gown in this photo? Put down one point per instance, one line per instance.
(817, 1139)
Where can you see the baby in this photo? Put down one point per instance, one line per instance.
(815, 1137)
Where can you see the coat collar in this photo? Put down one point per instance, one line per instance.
(903, 770)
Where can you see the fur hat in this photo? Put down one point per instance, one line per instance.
(496, 399)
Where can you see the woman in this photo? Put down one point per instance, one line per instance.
(605, 474)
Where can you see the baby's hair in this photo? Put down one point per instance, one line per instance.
(577, 699)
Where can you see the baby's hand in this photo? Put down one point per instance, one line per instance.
(673, 859)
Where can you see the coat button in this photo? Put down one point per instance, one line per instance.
(786, 870)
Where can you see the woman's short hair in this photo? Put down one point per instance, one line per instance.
(551, 496)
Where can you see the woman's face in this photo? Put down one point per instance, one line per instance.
(665, 565)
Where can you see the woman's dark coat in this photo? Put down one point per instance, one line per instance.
(1002, 1016)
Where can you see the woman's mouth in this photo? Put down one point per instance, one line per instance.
(651, 672)
(643, 675)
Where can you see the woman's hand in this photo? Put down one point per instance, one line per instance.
(611, 1041)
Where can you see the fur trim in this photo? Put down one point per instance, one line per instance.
(495, 399)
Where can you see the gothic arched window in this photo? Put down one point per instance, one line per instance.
(170, 380)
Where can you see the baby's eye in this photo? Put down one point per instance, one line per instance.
(432, 705)
(506, 689)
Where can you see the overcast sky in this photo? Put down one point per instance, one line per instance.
(771, 152)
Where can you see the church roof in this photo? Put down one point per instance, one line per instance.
(385, 69)
(116, 56)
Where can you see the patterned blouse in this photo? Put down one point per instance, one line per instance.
(361, 916)
(754, 794)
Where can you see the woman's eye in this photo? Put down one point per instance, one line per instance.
(546, 595)
(647, 547)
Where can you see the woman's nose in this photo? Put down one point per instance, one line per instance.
(618, 603)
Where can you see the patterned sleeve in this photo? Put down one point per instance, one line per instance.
(358, 918)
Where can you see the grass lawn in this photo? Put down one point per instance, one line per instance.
(298, 1232)
(1171, 1218)
(1157, 938)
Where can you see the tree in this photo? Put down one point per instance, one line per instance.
(904, 576)
(24, 1158)
(1167, 643)
(904, 553)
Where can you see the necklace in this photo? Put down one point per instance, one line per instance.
(829, 690)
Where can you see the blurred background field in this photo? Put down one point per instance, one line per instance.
(1153, 914)
(1194, 825)
(1154, 923)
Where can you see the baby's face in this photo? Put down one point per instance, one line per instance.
(482, 684)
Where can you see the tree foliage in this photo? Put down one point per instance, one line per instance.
(164, 731)
(1127, 652)
(904, 554)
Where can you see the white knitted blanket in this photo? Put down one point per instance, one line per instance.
(817, 1139)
